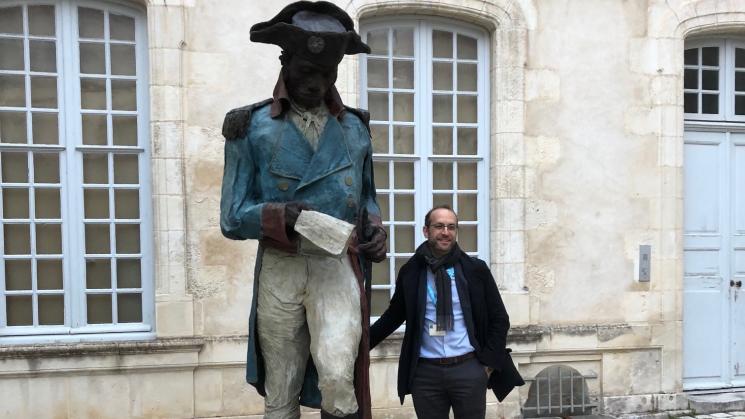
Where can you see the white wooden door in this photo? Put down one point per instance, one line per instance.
(714, 260)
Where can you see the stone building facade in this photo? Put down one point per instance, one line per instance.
(574, 165)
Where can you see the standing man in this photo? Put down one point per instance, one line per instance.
(456, 327)
(303, 149)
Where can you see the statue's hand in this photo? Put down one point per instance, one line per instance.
(292, 211)
(374, 249)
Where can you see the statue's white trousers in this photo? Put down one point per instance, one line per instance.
(308, 305)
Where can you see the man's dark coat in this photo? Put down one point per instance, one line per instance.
(487, 323)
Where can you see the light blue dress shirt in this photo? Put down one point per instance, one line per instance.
(455, 342)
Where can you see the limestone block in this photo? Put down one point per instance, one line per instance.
(632, 372)
(510, 116)
(540, 214)
(52, 394)
(510, 182)
(510, 246)
(518, 307)
(383, 384)
(540, 279)
(671, 151)
(542, 151)
(665, 90)
(542, 84)
(174, 318)
(642, 120)
(165, 67)
(174, 212)
(208, 400)
(510, 213)
(656, 56)
(641, 306)
(238, 396)
(662, 21)
(509, 82)
(165, 394)
(115, 389)
(166, 103)
(166, 26)
(174, 176)
(160, 177)
(167, 140)
(616, 405)
(15, 403)
(509, 149)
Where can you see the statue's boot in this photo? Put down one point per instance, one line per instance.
(326, 415)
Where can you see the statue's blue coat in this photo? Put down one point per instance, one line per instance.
(272, 162)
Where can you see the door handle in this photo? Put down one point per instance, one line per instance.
(737, 284)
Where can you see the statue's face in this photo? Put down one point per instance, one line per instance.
(307, 82)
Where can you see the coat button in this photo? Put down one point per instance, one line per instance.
(351, 203)
(283, 186)
(348, 180)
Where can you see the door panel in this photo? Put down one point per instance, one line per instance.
(737, 293)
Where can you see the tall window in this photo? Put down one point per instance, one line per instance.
(426, 86)
(714, 80)
(74, 173)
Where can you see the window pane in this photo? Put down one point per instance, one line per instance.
(404, 207)
(467, 142)
(94, 129)
(123, 60)
(12, 90)
(11, 52)
(468, 238)
(467, 207)
(20, 310)
(96, 203)
(379, 301)
(384, 206)
(442, 199)
(403, 74)
(99, 309)
(127, 203)
(378, 103)
(378, 42)
(467, 176)
(46, 168)
(740, 81)
(51, 309)
(92, 93)
(129, 307)
(128, 273)
(691, 56)
(122, 27)
(467, 77)
(48, 239)
(403, 107)
(95, 168)
(15, 203)
(381, 174)
(443, 108)
(45, 130)
(12, 127)
(403, 139)
(442, 44)
(379, 135)
(41, 20)
(442, 76)
(17, 239)
(690, 103)
(125, 168)
(92, 58)
(403, 175)
(405, 239)
(710, 79)
(467, 110)
(739, 105)
(403, 42)
(380, 273)
(43, 56)
(710, 56)
(14, 167)
(98, 274)
(97, 239)
(709, 104)
(17, 275)
(47, 203)
(442, 175)
(125, 130)
(466, 47)
(123, 95)
(739, 57)
(127, 238)
(377, 73)
(44, 92)
(690, 78)
(11, 20)
(49, 274)
(443, 140)
(90, 23)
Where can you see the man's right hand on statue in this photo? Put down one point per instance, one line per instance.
(292, 211)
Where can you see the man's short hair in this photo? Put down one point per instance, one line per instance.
(429, 213)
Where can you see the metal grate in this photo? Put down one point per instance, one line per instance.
(558, 390)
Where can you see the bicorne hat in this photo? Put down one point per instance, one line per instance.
(319, 32)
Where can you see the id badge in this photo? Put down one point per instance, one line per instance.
(434, 332)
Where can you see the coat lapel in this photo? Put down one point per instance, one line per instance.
(292, 154)
(421, 297)
(332, 154)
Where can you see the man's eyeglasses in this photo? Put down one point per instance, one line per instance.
(440, 227)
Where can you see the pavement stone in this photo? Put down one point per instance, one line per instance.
(720, 415)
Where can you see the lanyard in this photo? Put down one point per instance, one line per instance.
(431, 292)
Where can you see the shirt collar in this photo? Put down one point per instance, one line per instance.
(282, 100)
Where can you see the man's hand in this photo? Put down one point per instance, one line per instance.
(292, 211)
(374, 249)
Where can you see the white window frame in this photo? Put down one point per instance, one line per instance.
(423, 115)
(71, 181)
(726, 78)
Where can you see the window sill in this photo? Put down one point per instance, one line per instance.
(64, 350)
